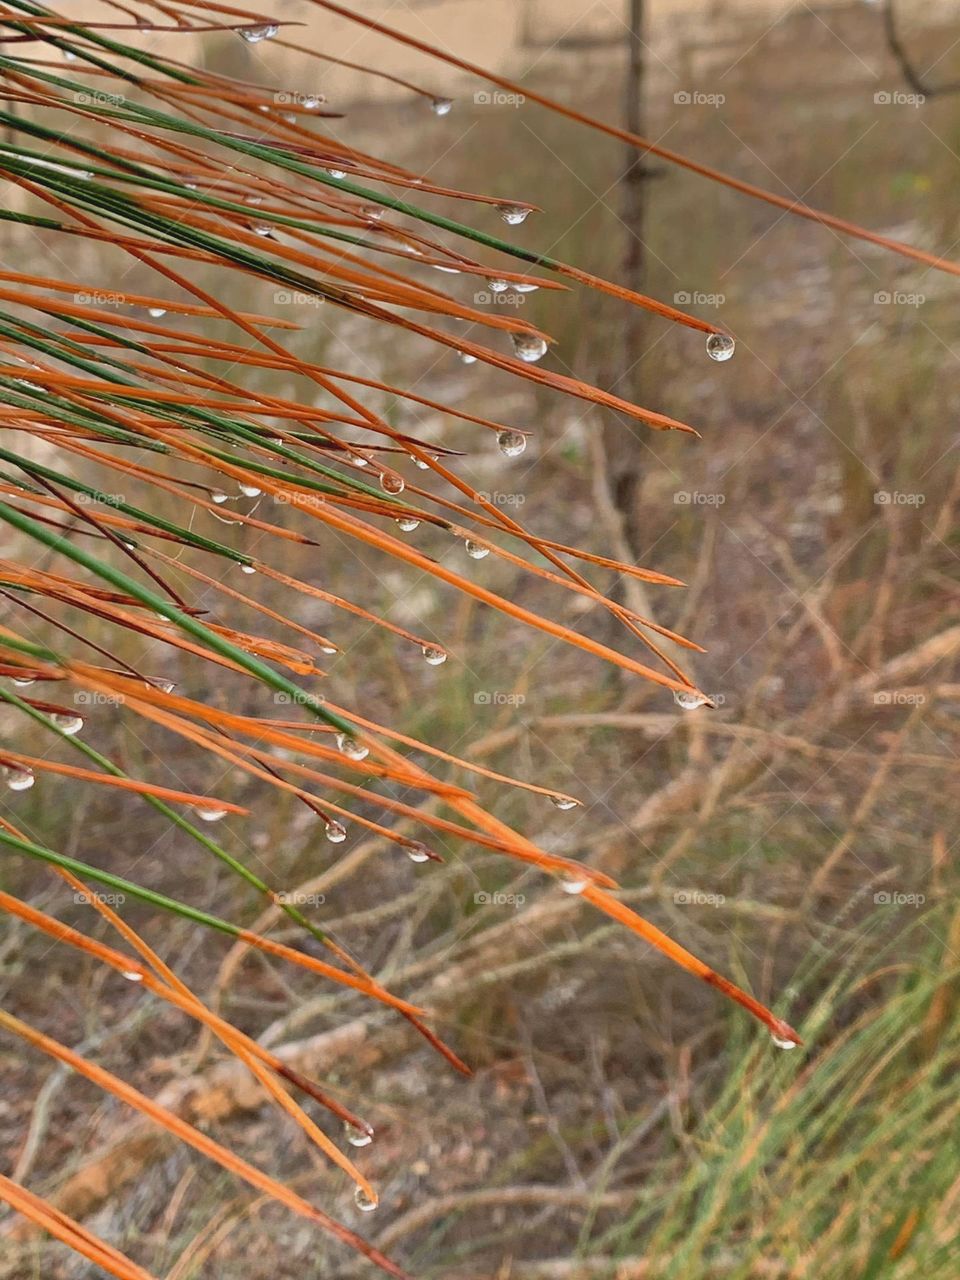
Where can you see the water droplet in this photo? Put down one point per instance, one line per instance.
(156, 312)
(337, 173)
(219, 497)
(165, 686)
(131, 975)
(364, 1203)
(407, 524)
(23, 682)
(783, 1043)
(266, 232)
(528, 347)
(565, 802)
(18, 779)
(525, 287)
(67, 724)
(467, 357)
(513, 214)
(417, 852)
(421, 465)
(68, 55)
(720, 346)
(357, 1137)
(450, 271)
(329, 648)
(511, 443)
(351, 748)
(475, 550)
(250, 491)
(689, 700)
(390, 482)
(441, 106)
(372, 211)
(247, 568)
(336, 832)
(360, 462)
(253, 35)
(498, 286)
(572, 884)
(209, 815)
(311, 102)
(433, 655)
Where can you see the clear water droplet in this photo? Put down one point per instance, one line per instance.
(421, 465)
(565, 802)
(467, 357)
(525, 286)
(253, 35)
(360, 462)
(434, 655)
(417, 852)
(337, 173)
(351, 748)
(357, 1137)
(335, 832)
(390, 482)
(511, 443)
(450, 271)
(329, 648)
(266, 232)
(720, 347)
(247, 568)
(18, 779)
(253, 199)
(156, 312)
(165, 686)
(219, 497)
(498, 286)
(782, 1042)
(131, 975)
(441, 106)
(573, 884)
(689, 700)
(209, 814)
(407, 524)
(364, 1202)
(311, 102)
(513, 214)
(474, 550)
(528, 347)
(372, 211)
(68, 724)
(250, 491)
(23, 682)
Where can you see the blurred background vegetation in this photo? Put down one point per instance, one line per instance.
(623, 1121)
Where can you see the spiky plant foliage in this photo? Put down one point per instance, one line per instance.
(116, 154)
